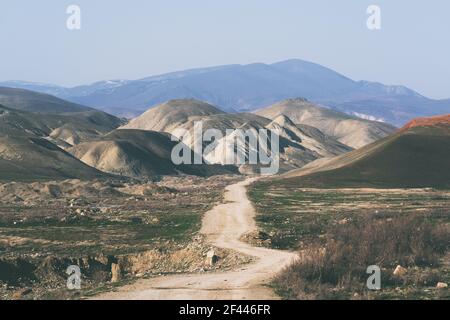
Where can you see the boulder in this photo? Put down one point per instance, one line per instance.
(211, 257)
(116, 272)
(400, 271)
(441, 285)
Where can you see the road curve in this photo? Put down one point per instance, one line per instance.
(223, 226)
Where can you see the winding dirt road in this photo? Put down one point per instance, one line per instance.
(223, 225)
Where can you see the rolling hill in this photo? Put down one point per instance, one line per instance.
(171, 114)
(416, 156)
(299, 145)
(138, 153)
(30, 158)
(26, 100)
(349, 130)
(31, 113)
(30, 141)
(63, 129)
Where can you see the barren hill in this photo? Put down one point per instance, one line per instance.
(171, 114)
(27, 100)
(31, 158)
(352, 131)
(137, 153)
(296, 150)
(64, 129)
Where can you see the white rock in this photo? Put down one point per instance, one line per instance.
(441, 285)
(400, 271)
(211, 257)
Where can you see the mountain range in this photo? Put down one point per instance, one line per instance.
(43, 137)
(42, 129)
(299, 122)
(238, 88)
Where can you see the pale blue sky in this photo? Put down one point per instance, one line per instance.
(137, 38)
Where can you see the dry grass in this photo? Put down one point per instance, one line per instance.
(336, 267)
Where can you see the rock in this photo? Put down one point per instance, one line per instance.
(104, 210)
(53, 190)
(343, 221)
(21, 293)
(441, 285)
(400, 271)
(211, 257)
(116, 273)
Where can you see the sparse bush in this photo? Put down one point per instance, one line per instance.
(338, 266)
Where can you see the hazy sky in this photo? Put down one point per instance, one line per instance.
(137, 38)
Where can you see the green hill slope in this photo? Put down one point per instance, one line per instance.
(412, 158)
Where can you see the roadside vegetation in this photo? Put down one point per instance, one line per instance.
(340, 232)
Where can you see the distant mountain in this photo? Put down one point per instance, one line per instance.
(249, 87)
(415, 156)
(138, 153)
(349, 130)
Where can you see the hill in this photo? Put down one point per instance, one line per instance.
(431, 121)
(29, 141)
(171, 114)
(31, 158)
(299, 145)
(349, 130)
(64, 129)
(26, 100)
(138, 153)
(413, 157)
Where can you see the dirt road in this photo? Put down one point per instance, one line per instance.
(223, 225)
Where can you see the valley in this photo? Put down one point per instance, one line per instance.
(80, 187)
(145, 228)
(224, 159)
(223, 226)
